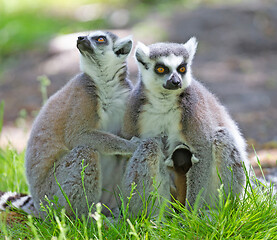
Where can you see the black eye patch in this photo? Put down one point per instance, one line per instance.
(182, 69)
(161, 69)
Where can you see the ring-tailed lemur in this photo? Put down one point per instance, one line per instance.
(167, 100)
(80, 123)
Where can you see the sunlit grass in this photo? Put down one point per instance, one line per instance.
(12, 174)
(253, 218)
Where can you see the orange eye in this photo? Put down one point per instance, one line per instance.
(101, 39)
(160, 70)
(182, 69)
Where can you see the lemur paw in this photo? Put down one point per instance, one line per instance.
(135, 140)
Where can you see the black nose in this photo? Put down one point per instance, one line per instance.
(173, 83)
(81, 38)
(83, 44)
(175, 80)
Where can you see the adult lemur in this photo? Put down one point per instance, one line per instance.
(168, 101)
(78, 124)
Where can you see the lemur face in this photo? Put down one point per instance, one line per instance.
(166, 66)
(103, 48)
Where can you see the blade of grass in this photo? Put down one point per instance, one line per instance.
(2, 105)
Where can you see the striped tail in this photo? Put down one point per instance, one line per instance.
(17, 200)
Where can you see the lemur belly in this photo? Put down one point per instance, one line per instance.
(162, 119)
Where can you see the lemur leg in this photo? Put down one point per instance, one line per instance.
(146, 164)
(68, 174)
(229, 161)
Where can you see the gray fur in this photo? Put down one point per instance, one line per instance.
(210, 136)
(134, 106)
(165, 49)
(189, 115)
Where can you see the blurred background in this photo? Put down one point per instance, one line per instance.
(236, 58)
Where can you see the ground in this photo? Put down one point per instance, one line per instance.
(236, 60)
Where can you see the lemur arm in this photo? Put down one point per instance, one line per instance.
(104, 142)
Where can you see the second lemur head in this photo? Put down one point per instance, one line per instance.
(103, 52)
(166, 67)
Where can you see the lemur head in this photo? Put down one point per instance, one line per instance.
(166, 67)
(102, 51)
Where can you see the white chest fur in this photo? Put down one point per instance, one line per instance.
(112, 106)
(161, 116)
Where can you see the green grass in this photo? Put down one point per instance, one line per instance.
(252, 217)
(12, 175)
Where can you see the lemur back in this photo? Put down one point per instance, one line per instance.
(168, 101)
(76, 127)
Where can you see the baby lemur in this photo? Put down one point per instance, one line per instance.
(79, 124)
(168, 101)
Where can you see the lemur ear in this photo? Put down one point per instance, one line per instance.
(191, 46)
(123, 46)
(142, 54)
